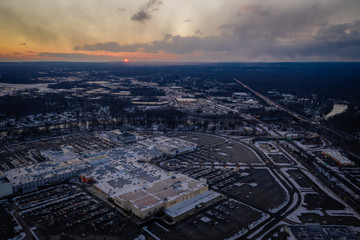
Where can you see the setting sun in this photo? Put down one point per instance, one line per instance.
(126, 60)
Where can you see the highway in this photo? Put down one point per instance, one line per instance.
(294, 114)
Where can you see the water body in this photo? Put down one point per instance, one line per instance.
(337, 109)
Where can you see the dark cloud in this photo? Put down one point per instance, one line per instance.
(17, 53)
(298, 34)
(145, 11)
(198, 32)
(187, 20)
(140, 16)
(121, 10)
(23, 44)
(76, 57)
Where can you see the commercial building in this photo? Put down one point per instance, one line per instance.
(146, 200)
(184, 209)
(338, 157)
(140, 187)
(33, 176)
(170, 146)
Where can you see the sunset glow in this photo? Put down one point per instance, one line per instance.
(150, 30)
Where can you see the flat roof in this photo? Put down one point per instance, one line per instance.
(167, 144)
(160, 191)
(43, 170)
(181, 208)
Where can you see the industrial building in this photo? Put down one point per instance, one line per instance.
(338, 157)
(170, 146)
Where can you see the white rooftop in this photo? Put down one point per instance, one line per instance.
(187, 205)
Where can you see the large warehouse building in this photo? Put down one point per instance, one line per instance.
(146, 200)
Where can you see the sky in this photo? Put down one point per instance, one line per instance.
(180, 30)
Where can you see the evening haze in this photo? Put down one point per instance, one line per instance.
(180, 30)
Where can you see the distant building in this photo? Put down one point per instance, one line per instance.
(120, 136)
(127, 138)
(338, 157)
(186, 100)
(170, 146)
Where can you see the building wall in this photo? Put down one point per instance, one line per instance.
(148, 212)
(5, 189)
(42, 181)
(184, 197)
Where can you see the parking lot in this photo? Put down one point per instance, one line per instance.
(9, 228)
(236, 153)
(325, 209)
(220, 221)
(67, 211)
